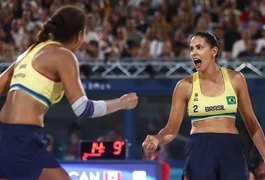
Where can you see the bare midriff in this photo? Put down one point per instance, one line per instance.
(21, 108)
(215, 125)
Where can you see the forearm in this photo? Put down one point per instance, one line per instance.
(256, 134)
(165, 136)
(86, 108)
(259, 141)
(114, 105)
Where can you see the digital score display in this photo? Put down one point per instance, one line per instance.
(103, 150)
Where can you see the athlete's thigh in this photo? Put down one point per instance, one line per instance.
(234, 168)
(232, 161)
(54, 173)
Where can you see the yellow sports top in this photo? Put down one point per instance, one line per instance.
(202, 107)
(29, 80)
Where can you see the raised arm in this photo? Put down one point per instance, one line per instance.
(247, 113)
(170, 131)
(68, 70)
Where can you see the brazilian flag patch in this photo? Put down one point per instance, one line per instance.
(231, 100)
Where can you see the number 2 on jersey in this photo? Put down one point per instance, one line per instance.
(195, 108)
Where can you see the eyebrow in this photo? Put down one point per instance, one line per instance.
(196, 45)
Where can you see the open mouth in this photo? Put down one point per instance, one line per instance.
(197, 62)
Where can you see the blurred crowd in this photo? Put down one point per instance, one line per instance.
(140, 29)
(132, 30)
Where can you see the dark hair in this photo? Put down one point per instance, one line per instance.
(64, 24)
(209, 38)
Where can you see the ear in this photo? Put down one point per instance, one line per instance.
(79, 36)
(215, 51)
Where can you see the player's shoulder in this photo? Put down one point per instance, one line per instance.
(237, 79)
(184, 84)
(235, 75)
(63, 52)
(183, 88)
(187, 81)
(61, 56)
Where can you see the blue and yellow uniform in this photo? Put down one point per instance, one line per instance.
(214, 155)
(202, 107)
(23, 152)
(29, 80)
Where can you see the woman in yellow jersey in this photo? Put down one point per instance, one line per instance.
(211, 96)
(38, 79)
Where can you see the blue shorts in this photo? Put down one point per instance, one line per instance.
(215, 156)
(23, 152)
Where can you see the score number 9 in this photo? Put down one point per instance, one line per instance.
(117, 146)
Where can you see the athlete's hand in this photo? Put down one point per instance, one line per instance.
(130, 100)
(150, 143)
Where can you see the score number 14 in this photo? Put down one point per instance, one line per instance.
(99, 148)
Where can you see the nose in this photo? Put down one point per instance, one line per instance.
(193, 53)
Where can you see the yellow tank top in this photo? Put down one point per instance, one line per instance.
(202, 107)
(27, 79)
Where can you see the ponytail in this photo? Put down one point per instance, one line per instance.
(43, 35)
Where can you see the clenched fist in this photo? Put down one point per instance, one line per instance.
(129, 100)
(150, 143)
